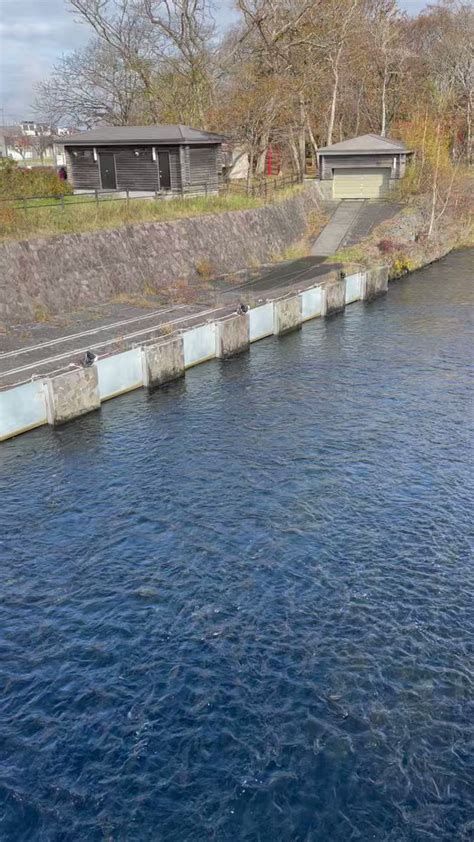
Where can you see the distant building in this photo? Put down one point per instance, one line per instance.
(33, 129)
(363, 167)
(30, 142)
(25, 148)
(165, 158)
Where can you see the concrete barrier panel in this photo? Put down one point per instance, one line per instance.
(120, 373)
(163, 361)
(287, 314)
(199, 344)
(261, 322)
(376, 282)
(355, 287)
(312, 303)
(72, 394)
(22, 408)
(335, 295)
(232, 336)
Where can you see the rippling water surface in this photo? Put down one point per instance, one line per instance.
(241, 608)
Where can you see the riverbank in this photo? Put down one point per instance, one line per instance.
(403, 244)
(77, 390)
(154, 347)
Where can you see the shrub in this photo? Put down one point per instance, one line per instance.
(401, 265)
(386, 246)
(9, 218)
(18, 183)
(205, 269)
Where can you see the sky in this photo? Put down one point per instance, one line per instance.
(34, 34)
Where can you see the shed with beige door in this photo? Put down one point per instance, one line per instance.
(363, 167)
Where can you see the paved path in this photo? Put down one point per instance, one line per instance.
(372, 214)
(350, 223)
(337, 228)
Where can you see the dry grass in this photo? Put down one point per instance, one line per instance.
(42, 315)
(205, 269)
(77, 216)
(134, 301)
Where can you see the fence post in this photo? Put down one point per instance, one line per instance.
(127, 194)
(96, 192)
(25, 206)
(205, 188)
(62, 201)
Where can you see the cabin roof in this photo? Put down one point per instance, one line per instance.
(365, 144)
(129, 135)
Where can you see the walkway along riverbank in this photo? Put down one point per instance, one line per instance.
(56, 400)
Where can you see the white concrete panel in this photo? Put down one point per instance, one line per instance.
(120, 373)
(22, 408)
(354, 287)
(261, 322)
(312, 303)
(199, 344)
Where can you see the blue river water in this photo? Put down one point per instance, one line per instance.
(241, 608)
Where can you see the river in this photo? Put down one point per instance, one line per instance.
(241, 608)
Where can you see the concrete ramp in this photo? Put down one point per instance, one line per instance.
(337, 228)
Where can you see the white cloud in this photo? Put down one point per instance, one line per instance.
(33, 35)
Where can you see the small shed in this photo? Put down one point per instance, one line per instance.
(144, 159)
(364, 167)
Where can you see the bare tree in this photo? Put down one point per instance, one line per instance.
(93, 85)
(187, 29)
(388, 54)
(445, 39)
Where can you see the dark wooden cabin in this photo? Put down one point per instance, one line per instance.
(165, 159)
(363, 167)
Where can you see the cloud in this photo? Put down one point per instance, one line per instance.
(33, 35)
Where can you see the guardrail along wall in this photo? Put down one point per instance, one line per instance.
(69, 395)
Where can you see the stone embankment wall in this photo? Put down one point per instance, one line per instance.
(68, 271)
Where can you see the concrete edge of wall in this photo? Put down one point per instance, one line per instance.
(56, 400)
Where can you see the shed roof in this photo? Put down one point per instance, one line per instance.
(120, 135)
(366, 144)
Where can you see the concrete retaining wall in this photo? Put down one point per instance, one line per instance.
(72, 394)
(335, 294)
(355, 287)
(287, 315)
(233, 336)
(22, 408)
(68, 395)
(163, 361)
(120, 373)
(68, 271)
(312, 303)
(261, 322)
(376, 282)
(199, 344)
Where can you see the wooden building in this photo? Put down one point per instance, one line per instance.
(363, 167)
(144, 159)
